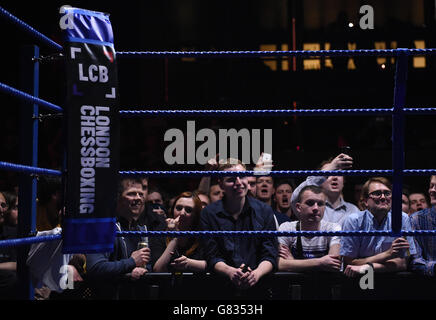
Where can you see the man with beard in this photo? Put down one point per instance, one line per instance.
(382, 253)
(425, 260)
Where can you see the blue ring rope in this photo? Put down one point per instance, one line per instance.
(206, 234)
(274, 173)
(275, 54)
(271, 233)
(257, 112)
(28, 169)
(29, 98)
(278, 173)
(223, 54)
(265, 112)
(199, 173)
(21, 24)
(30, 240)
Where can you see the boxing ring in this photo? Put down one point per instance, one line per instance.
(29, 171)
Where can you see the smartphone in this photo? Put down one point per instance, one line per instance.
(266, 157)
(345, 150)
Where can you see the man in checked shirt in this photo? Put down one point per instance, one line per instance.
(425, 260)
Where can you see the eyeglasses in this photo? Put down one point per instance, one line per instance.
(378, 193)
(4, 205)
(187, 209)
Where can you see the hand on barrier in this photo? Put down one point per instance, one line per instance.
(138, 272)
(181, 263)
(284, 252)
(236, 274)
(397, 248)
(352, 271)
(249, 279)
(141, 256)
(330, 263)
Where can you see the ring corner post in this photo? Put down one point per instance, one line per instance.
(29, 156)
(398, 139)
(92, 133)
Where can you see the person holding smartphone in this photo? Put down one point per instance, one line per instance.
(337, 209)
(183, 253)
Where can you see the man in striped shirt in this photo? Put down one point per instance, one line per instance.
(425, 260)
(299, 254)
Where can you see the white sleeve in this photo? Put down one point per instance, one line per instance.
(287, 241)
(45, 260)
(335, 239)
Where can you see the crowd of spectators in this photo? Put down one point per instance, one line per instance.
(232, 203)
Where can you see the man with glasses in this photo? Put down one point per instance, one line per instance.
(243, 260)
(382, 253)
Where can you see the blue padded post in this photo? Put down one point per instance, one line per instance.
(398, 139)
(29, 156)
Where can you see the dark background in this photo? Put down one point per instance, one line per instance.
(187, 25)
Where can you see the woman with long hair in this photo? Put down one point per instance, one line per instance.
(184, 253)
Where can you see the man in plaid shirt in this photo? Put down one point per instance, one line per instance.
(425, 259)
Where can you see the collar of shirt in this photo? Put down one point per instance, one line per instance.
(124, 223)
(342, 204)
(385, 222)
(246, 209)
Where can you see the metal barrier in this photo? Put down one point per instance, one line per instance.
(277, 286)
